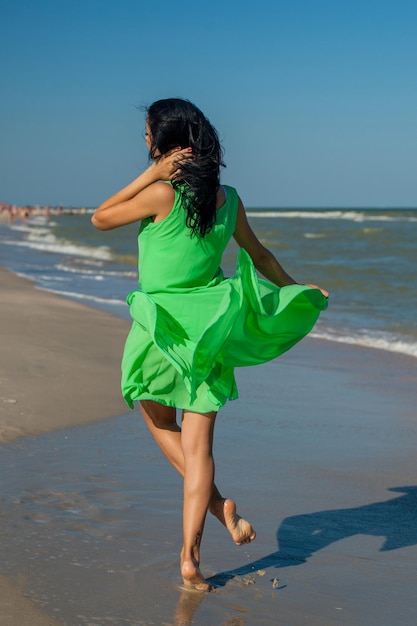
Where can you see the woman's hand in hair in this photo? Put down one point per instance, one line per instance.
(145, 196)
(166, 166)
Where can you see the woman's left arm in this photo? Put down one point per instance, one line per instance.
(263, 259)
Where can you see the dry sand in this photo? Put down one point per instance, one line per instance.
(59, 361)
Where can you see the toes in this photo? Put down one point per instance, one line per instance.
(246, 540)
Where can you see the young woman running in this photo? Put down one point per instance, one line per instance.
(191, 325)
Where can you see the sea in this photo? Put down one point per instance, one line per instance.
(366, 258)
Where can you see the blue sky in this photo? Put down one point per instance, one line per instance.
(315, 101)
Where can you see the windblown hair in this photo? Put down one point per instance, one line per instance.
(175, 122)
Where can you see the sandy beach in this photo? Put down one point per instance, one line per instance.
(60, 361)
(319, 452)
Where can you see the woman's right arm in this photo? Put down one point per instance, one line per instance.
(143, 197)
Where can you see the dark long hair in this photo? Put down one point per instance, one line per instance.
(175, 122)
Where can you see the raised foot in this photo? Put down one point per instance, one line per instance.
(193, 578)
(241, 530)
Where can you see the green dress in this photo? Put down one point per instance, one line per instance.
(192, 326)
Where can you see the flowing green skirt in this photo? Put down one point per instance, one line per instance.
(185, 343)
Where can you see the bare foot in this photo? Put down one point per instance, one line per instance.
(192, 577)
(241, 530)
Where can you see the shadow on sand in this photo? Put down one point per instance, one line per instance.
(299, 537)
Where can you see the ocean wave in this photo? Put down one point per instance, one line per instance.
(354, 216)
(387, 342)
(47, 278)
(21, 228)
(53, 279)
(53, 245)
(75, 295)
(95, 272)
(315, 235)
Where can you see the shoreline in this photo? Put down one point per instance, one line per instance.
(60, 361)
(43, 349)
(327, 431)
(18, 610)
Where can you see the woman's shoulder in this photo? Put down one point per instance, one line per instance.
(230, 194)
(229, 188)
(159, 194)
(163, 190)
(163, 199)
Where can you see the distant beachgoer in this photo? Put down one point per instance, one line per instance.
(191, 325)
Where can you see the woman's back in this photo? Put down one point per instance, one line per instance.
(170, 258)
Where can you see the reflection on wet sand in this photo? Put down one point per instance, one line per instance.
(188, 603)
(187, 606)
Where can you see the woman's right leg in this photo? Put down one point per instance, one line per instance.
(162, 423)
(197, 447)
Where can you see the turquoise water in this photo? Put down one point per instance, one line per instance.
(365, 258)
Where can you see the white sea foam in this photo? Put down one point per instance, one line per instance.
(387, 342)
(74, 295)
(50, 244)
(53, 279)
(354, 216)
(314, 235)
(93, 272)
(21, 228)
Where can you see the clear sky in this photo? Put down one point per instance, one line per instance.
(315, 100)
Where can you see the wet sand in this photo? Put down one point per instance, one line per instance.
(319, 452)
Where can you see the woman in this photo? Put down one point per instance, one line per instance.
(191, 326)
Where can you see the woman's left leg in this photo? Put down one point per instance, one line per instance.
(197, 446)
(161, 421)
